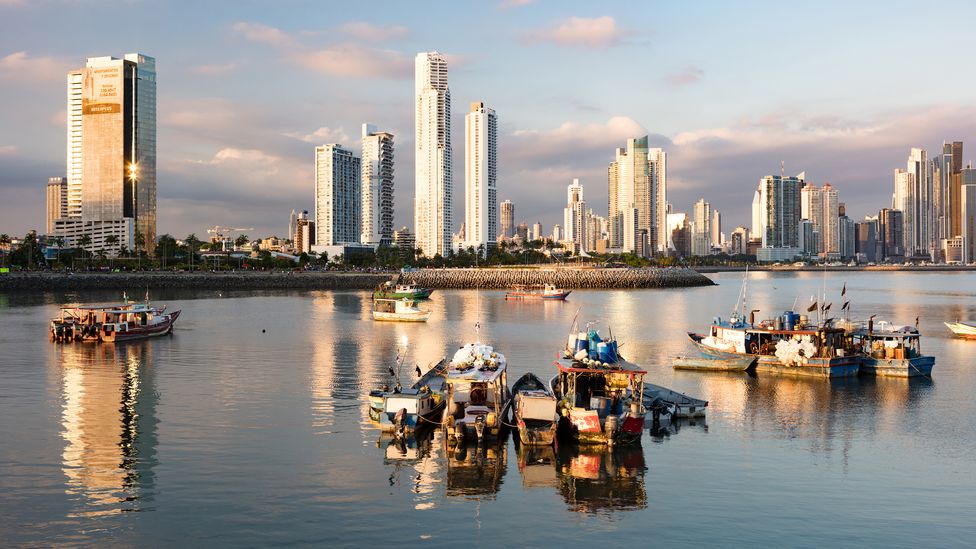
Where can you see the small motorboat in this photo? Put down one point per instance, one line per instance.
(534, 411)
(127, 321)
(477, 394)
(965, 330)
(714, 364)
(891, 350)
(398, 310)
(546, 292)
(683, 405)
(389, 290)
(405, 410)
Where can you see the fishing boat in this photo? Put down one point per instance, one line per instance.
(389, 290)
(891, 350)
(398, 310)
(682, 405)
(404, 410)
(737, 364)
(965, 330)
(534, 408)
(477, 393)
(600, 394)
(117, 323)
(541, 291)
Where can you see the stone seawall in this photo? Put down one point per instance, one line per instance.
(432, 278)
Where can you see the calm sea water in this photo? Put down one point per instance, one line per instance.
(247, 427)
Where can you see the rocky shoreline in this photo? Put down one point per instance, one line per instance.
(433, 278)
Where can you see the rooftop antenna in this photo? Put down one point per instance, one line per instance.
(782, 169)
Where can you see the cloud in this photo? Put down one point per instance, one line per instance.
(685, 77)
(20, 66)
(509, 4)
(322, 136)
(369, 31)
(355, 61)
(256, 32)
(8, 150)
(12, 3)
(214, 69)
(596, 32)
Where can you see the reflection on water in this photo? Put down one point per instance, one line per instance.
(109, 426)
(597, 478)
(475, 469)
(413, 461)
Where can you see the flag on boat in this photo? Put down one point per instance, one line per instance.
(812, 307)
(843, 292)
(846, 305)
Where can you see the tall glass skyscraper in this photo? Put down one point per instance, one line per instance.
(480, 173)
(434, 181)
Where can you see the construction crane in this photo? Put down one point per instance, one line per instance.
(222, 234)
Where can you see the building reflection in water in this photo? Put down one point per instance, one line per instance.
(413, 462)
(109, 426)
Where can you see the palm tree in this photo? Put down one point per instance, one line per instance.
(241, 241)
(192, 242)
(83, 242)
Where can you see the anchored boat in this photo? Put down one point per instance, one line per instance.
(600, 394)
(476, 393)
(965, 330)
(543, 291)
(534, 410)
(398, 310)
(127, 321)
(714, 364)
(891, 350)
(389, 290)
(681, 405)
(404, 410)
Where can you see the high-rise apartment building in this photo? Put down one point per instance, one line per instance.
(811, 207)
(830, 226)
(111, 152)
(891, 235)
(507, 219)
(633, 195)
(716, 228)
(574, 216)
(659, 200)
(967, 209)
(913, 196)
(377, 187)
(780, 206)
(304, 236)
(433, 159)
(480, 177)
(57, 201)
(338, 203)
(701, 236)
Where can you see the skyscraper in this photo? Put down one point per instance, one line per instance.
(830, 227)
(701, 238)
(480, 174)
(891, 235)
(377, 187)
(955, 189)
(967, 214)
(811, 207)
(913, 196)
(338, 205)
(507, 219)
(780, 207)
(716, 228)
(111, 152)
(631, 196)
(574, 215)
(659, 201)
(57, 201)
(434, 182)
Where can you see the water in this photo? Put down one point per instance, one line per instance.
(247, 427)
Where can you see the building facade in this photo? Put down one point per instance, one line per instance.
(57, 201)
(701, 239)
(507, 219)
(574, 216)
(780, 206)
(659, 182)
(377, 187)
(433, 205)
(338, 204)
(632, 197)
(480, 177)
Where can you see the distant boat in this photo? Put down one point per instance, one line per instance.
(735, 364)
(389, 290)
(544, 291)
(534, 408)
(405, 410)
(965, 330)
(398, 310)
(118, 323)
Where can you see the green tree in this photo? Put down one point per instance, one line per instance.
(192, 243)
(241, 241)
(28, 253)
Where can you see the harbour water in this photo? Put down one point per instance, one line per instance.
(247, 427)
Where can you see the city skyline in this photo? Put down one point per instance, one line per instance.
(224, 139)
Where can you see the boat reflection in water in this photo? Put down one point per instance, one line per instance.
(108, 422)
(413, 459)
(475, 469)
(593, 479)
(537, 465)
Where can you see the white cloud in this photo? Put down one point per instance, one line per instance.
(214, 69)
(369, 31)
(20, 66)
(596, 32)
(322, 136)
(352, 60)
(8, 150)
(685, 77)
(508, 4)
(256, 32)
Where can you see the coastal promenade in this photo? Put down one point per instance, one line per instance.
(332, 280)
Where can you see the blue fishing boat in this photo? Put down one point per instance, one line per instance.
(406, 409)
(891, 350)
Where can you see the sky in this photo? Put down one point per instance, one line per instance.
(247, 88)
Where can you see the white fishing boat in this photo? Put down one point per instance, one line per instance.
(965, 330)
(398, 310)
(476, 393)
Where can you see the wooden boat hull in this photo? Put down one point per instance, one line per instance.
(401, 317)
(534, 411)
(841, 366)
(135, 333)
(738, 364)
(684, 406)
(898, 367)
(537, 433)
(962, 330)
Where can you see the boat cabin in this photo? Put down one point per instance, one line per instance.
(600, 388)
(888, 341)
(761, 339)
